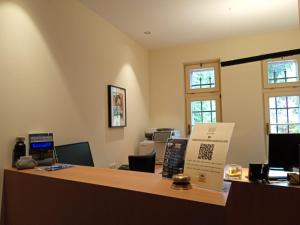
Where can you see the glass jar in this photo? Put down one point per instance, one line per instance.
(233, 171)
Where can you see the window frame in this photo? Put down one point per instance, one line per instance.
(279, 85)
(276, 93)
(190, 67)
(203, 97)
(200, 94)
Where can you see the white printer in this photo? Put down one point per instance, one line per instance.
(156, 138)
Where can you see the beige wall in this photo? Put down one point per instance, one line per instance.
(241, 104)
(56, 60)
(57, 57)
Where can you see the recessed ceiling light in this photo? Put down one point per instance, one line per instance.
(147, 32)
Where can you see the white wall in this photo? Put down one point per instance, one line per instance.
(241, 104)
(56, 60)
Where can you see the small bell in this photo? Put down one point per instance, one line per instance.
(181, 181)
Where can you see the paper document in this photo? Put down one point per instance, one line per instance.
(206, 154)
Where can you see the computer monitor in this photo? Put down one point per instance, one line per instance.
(142, 163)
(41, 145)
(284, 151)
(76, 154)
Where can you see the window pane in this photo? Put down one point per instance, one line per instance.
(283, 71)
(207, 117)
(196, 106)
(214, 117)
(206, 106)
(203, 111)
(273, 118)
(273, 129)
(213, 105)
(282, 129)
(202, 78)
(293, 101)
(284, 114)
(272, 104)
(295, 128)
(281, 102)
(196, 118)
(294, 115)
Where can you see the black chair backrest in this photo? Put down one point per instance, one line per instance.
(142, 163)
(76, 154)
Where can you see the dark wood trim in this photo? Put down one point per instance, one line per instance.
(260, 57)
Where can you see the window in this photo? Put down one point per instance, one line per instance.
(282, 95)
(283, 112)
(282, 72)
(203, 111)
(203, 77)
(203, 103)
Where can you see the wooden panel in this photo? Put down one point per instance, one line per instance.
(90, 196)
(44, 200)
(261, 204)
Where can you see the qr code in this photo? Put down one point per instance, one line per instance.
(206, 151)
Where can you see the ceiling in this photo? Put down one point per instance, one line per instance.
(176, 22)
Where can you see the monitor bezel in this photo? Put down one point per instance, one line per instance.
(294, 152)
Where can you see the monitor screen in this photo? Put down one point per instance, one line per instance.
(40, 143)
(284, 150)
(76, 154)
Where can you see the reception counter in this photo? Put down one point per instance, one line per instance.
(86, 196)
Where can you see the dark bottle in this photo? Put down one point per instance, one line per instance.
(19, 150)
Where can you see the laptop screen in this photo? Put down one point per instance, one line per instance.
(76, 154)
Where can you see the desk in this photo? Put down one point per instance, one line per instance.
(277, 203)
(89, 196)
(263, 204)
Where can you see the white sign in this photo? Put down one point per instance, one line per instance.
(206, 154)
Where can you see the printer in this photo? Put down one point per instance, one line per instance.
(161, 133)
(156, 138)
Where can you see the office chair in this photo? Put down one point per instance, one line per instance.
(142, 163)
(76, 154)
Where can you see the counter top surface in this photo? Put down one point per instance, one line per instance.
(134, 181)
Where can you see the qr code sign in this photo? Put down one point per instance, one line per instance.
(206, 151)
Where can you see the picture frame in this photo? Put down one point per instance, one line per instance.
(117, 114)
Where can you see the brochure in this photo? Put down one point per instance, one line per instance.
(206, 154)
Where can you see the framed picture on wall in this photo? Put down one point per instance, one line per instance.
(116, 106)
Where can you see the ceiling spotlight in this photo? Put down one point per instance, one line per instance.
(147, 32)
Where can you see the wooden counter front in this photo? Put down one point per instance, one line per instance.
(89, 196)
(86, 196)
